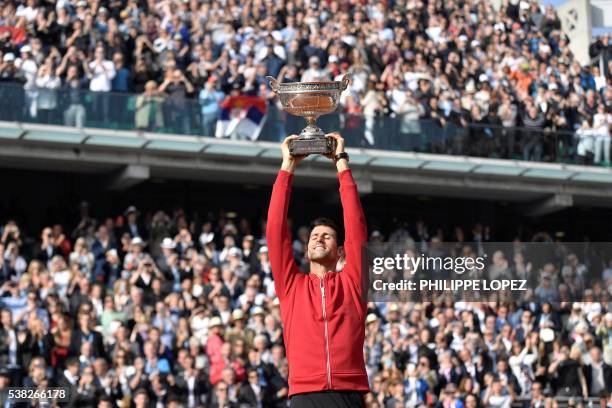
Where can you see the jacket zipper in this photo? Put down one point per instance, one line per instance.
(328, 364)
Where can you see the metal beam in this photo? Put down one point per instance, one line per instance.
(550, 205)
(589, 186)
(130, 176)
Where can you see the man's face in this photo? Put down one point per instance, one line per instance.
(84, 320)
(7, 319)
(323, 244)
(536, 389)
(141, 400)
(526, 318)
(73, 369)
(595, 355)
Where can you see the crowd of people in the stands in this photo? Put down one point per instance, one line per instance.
(453, 76)
(161, 310)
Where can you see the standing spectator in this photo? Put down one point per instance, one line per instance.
(568, 371)
(133, 226)
(47, 249)
(598, 375)
(73, 93)
(602, 122)
(272, 61)
(177, 87)
(101, 73)
(508, 114)
(28, 68)
(602, 48)
(149, 112)
(120, 85)
(47, 83)
(314, 71)
(532, 138)
(374, 105)
(210, 98)
(410, 128)
(586, 141)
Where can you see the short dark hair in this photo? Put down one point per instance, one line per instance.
(328, 223)
(70, 361)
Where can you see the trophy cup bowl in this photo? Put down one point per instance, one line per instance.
(310, 100)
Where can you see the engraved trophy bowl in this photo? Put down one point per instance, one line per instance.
(310, 100)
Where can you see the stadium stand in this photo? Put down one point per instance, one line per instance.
(441, 77)
(155, 310)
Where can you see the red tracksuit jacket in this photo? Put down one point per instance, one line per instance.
(323, 319)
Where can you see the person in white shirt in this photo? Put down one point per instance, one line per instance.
(28, 69)
(495, 397)
(252, 393)
(29, 11)
(586, 139)
(601, 127)
(314, 71)
(101, 74)
(47, 83)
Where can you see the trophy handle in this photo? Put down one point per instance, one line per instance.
(273, 83)
(346, 80)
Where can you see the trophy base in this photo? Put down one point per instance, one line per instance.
(312, 132)
(313, 145)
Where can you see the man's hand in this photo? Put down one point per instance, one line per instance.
(289, 161)
(341, 164)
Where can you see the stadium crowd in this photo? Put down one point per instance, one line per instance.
(498, 83)
(157, 310)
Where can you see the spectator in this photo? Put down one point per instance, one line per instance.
(101, 73)
(120, 84)
(598, 374)
(149, 112)
(48, 84)
(602, 122)
(602, 48)
(568, 370)
(177, 87)
(28, 69)
(586, 141)
(533, 120)
(203, 330)
(314, 71)
(210, 98)
(251, 392)
(502, 60)
(75, 113)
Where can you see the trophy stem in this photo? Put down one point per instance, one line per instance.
(312, 131)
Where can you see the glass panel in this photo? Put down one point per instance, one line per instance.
(81, 107)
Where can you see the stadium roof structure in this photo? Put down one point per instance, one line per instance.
(129, 158)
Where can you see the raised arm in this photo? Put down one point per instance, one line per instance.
(355, 228)
(278, 236)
